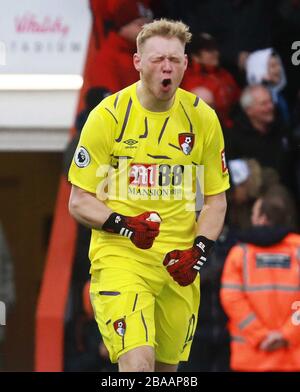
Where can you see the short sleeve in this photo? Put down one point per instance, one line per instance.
(216, 176)
(93, 150)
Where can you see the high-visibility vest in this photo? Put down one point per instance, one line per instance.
(260, 293)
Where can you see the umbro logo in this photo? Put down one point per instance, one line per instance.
(130, 142)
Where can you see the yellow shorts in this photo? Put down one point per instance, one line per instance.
(138, 304)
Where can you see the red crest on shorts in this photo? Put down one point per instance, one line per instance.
(120, 327)
(186, 142)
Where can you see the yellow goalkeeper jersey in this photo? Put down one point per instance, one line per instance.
(135, 160)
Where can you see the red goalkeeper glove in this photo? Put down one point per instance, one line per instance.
(141, 229)
(183, 265)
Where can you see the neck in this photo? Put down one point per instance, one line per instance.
(150, 102)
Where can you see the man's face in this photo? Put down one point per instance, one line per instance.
(262, 109)
(274, 69)
(208, 57)
(161, 63)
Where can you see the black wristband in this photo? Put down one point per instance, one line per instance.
(204, 244)
(116, 223)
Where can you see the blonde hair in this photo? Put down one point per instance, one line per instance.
(164, 28)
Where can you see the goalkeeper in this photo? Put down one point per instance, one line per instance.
(146, 249)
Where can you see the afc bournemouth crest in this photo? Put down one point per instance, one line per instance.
(120, 327)
(186, 142)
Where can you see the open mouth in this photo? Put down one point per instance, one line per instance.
(166, 82)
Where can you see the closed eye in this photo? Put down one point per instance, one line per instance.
(175, 59)
(157, 59)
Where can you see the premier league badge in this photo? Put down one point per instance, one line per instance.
(82, 157)
(186, 142)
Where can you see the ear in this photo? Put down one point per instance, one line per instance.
(185, 61)
(264, 220)
(137, 62)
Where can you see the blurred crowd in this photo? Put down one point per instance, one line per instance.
(240, 64)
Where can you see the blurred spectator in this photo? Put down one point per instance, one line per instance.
(270, 178)
(246, 183)
(7, 284)
(113, 66)
(239, 26)
(296, 112)
(258, 134)
(205, 72)
(265, 67)
(286, 31)
(260, 283)
(296, 143)
(99, 16)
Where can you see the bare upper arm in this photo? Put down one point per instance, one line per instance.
(219, 199)
(77, 193)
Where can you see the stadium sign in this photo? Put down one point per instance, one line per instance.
(44, 37)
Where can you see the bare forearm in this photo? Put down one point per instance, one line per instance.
(211, 219)
(87, 209)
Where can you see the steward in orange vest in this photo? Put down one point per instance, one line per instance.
(260, 291)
